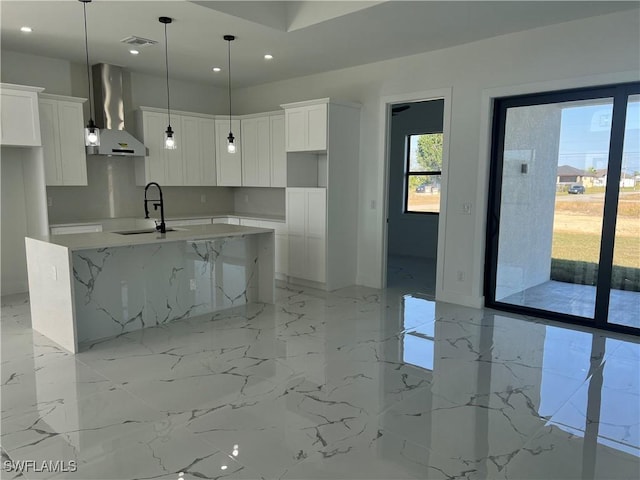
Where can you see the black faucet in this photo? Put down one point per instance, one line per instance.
(159, 203)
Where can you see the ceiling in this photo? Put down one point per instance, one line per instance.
(305, 37)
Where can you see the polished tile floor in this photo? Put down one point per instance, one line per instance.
(355, 384)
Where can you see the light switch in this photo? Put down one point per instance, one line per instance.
(466, 208)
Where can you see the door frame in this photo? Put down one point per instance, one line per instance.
(386, 103)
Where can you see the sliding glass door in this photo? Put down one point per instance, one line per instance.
(563, 238)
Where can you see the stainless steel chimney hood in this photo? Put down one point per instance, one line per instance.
(109, 108)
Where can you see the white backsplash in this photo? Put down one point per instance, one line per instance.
(112, 193)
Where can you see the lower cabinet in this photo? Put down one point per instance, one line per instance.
(281, 241)
(306, 219)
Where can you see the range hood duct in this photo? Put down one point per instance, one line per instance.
(109, 110)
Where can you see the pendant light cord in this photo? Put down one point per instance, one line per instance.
(166, 61)
(229, 57)
(86, 48)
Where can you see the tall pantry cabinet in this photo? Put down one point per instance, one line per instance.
(322, 140)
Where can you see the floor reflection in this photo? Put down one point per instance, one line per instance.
(357, 383)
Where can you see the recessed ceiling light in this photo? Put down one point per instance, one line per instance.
(216, 69)
(26, 29)
(268, 56)
(134, 52)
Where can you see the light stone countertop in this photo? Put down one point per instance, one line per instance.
(90, 241)
(248, 216)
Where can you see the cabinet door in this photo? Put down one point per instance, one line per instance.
(73, 158)
(315, 259)
(316, 125)
(228, 165)
(296, 129)
(297, 256)
(154, 125)
(316, 212)
(256, 150)
(278, 154)
(207, 142)
(191, 151)
(19, 118)
(173, 158)
(50, 141)
(296, 210)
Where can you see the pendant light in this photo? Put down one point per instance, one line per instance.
(231, 146)
(169, 134)
(91, 133)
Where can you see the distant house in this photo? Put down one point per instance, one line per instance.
(626, 179)
(568, 175)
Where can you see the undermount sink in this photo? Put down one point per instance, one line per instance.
(139, 232)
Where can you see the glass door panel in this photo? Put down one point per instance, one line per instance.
(624, 297)
(551, 205)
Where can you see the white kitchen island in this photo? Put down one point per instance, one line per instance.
(91, 286)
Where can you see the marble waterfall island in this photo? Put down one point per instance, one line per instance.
(90, 286)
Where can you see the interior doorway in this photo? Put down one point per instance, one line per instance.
(416, 150)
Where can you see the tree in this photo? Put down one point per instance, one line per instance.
(429, 154)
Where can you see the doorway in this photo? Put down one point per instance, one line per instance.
(563, 236)
(415, 166)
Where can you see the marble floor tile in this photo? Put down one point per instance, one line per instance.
(353, 384)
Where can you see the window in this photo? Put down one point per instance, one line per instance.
(423, 173)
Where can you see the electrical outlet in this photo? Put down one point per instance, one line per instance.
(192, 284)
(466, 208)
(203, 198)
(460, 276)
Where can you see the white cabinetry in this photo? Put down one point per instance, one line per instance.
(256, 152)
(264, 161)
(62, 130)
(198, 150)
(19, 116)
(193, 162)
(278, 154)
(281, 242)
(322, 192)
(306, 126)
(306, 221)
(229, 165)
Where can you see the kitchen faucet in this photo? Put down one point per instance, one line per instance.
(159, 203)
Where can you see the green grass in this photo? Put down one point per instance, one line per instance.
(586, 273)
(585, 247)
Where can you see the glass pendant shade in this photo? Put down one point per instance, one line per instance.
(91, 135)
(170, 139)
(231, 146)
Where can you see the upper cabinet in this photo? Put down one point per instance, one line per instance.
(264, 161)
(229, 165)
(19, 116)
(193, 162)
(306, 126)
(62, 129)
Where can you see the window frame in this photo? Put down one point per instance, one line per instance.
(408, 174)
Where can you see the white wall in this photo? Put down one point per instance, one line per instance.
(410, 234)
(592, 51)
